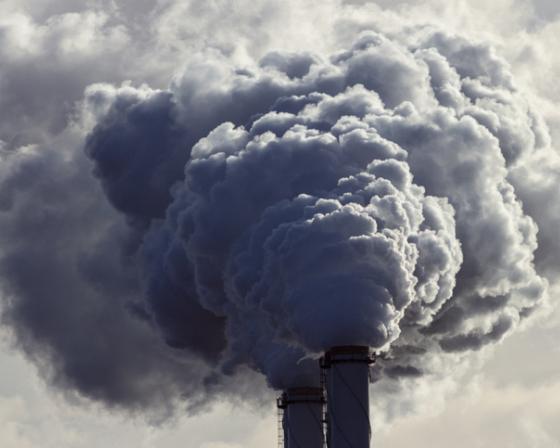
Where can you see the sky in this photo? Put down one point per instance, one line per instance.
(53, 53)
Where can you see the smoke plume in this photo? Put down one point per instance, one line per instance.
(244, 220)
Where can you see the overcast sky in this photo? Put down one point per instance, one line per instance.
(52, 50)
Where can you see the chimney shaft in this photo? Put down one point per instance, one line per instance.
(347, 382)
(303, 417)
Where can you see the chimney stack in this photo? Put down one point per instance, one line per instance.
(346, 370)
(302, 420)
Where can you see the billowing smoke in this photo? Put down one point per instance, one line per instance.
(391, 195)
(343, 202)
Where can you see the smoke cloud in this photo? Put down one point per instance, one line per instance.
(400, 193)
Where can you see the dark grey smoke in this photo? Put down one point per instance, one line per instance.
(390, 195)
(72, 294)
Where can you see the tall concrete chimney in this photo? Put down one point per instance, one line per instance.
(347, 387)
(302, 420)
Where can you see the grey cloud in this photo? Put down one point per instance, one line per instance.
(141, 149)
(294, 65)
(317, 102)
(476, 339)
(69, 283)
(47, 65)
(398, 176)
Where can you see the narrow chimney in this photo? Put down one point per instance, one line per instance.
(302, 420)
(347, 384)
